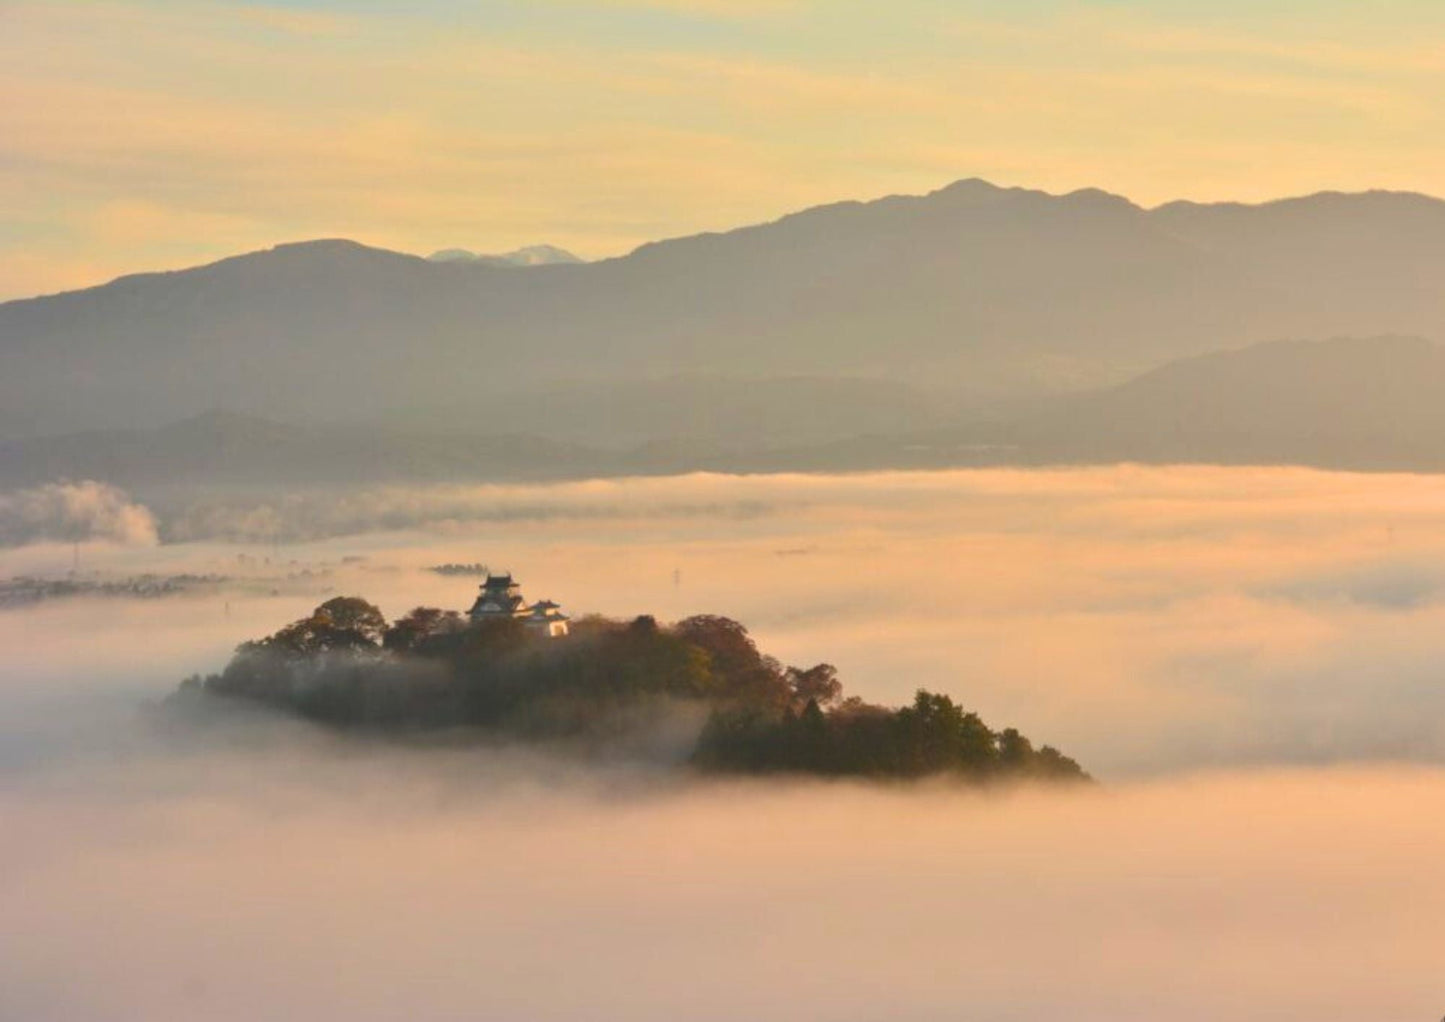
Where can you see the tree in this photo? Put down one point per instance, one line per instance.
(1015, 752)
(939, 735)
(301, 638)
(343, 623)
(421, 623)
(818, 684)
(728, 641)
(744, 673)
(353, 614)
(608, 680)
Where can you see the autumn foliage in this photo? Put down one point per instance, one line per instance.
(346, 667)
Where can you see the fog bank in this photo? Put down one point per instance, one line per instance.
(1143, 620)
(1193, 636)
(305, 880)
(73, 512)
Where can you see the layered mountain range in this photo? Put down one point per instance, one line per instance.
(977, 317)
(1371, 404)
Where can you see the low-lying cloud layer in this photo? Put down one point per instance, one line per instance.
(72, 513)
(1246, 657)
(303, 879)
(308, 516)
(1144, 620)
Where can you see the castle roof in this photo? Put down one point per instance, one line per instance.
(501, 596)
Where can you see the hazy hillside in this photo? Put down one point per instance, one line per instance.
(1347, 403)
(227, 448)
(976, 292)
(676, 424)
(702, 412)
(1366, 404)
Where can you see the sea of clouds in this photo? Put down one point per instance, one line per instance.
(1250, 659)
(74, 512)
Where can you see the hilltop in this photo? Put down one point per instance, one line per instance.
(604, 684)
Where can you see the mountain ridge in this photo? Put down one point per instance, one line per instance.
(963, 184)
(984, 294)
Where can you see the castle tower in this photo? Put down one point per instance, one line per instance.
(501, 597)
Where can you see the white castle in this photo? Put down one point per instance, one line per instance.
(501, 597)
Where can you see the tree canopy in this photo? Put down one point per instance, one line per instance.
(345, 666)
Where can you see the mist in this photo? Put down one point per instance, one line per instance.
(285, 875)
(1248, 659)
(1144, 620)
(74, 511)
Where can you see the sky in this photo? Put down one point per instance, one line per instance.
(152, 134)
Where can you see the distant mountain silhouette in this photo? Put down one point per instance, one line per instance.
(233, 449)
(700, 412)
(1371, 404)
(668, 425)
(976, 292)
(1349, 404)
(1345, 403)
(532, 255)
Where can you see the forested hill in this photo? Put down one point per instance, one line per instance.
(346, 667)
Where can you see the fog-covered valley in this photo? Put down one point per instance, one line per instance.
(1248, 659)
(327, 885)
(1226, 615)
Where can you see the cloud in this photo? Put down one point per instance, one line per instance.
(301, 516)
(724, 9)
(292, 21)
(1183, 631)
(74, 513)
(1401, 585)
(279, 873)
(1145, 620)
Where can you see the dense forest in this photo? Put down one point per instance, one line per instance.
(345, 666)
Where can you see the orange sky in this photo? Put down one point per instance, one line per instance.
(142, 134)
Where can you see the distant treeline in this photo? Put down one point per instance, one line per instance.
(459, 569)
(346, 666)
(24, 590)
